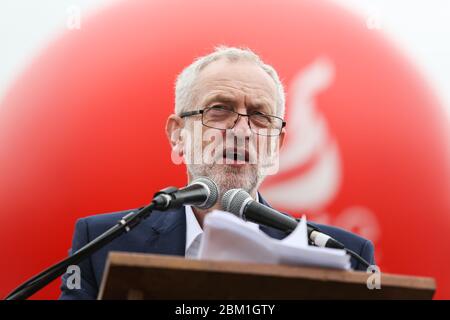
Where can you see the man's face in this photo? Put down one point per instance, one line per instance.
(233, 157)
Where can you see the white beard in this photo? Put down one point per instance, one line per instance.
(227, 177)
(213, 165)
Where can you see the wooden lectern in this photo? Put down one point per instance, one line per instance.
(145, 276)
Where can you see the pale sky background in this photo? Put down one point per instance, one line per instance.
(420, 27)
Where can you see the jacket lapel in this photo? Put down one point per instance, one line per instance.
(167, 232)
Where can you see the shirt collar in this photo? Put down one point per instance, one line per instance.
(193, 228)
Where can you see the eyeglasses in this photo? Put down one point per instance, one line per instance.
(222, 118)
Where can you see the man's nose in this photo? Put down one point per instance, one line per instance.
(242, 128)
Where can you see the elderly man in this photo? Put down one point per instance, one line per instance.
(237, 101)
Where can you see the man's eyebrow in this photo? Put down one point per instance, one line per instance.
(261, 104)
(220, 98)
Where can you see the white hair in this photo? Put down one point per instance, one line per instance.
(186, 79)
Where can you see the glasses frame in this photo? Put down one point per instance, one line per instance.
(202, 111)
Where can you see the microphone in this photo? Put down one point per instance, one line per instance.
(201, 193)
(241, 204)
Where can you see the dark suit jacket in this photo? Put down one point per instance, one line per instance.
(164, 233)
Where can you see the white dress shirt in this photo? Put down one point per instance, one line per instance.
(194, 232)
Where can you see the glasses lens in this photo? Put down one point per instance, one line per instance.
(261, 124)
(266, 125)
(219, 118)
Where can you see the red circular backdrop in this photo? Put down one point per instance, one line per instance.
(82, 129)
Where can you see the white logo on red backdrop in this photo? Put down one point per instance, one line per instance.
(310, 172)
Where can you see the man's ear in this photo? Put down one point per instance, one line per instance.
(283, 133)
(174, 126)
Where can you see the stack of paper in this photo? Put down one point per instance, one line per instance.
(226, 237)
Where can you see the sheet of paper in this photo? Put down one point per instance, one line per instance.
(298, 237)
(226, 237)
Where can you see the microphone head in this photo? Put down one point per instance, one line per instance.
(213, 192)
(234, 201)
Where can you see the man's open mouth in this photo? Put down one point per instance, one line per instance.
(235, 155)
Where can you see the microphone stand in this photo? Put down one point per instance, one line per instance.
(124, 225)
